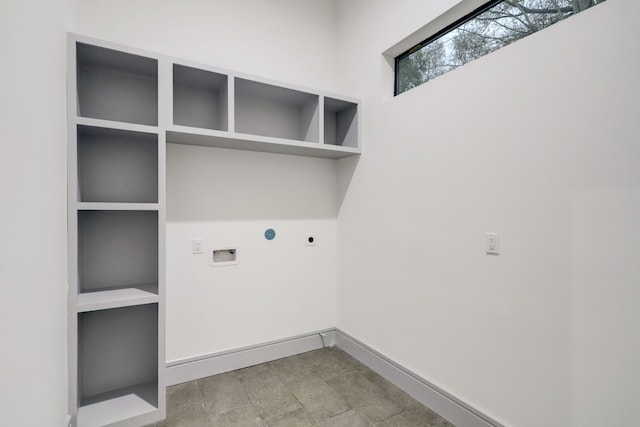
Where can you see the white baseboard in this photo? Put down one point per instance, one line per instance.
(180, 371)
(430, 395)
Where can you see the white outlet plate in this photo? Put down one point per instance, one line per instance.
(492, 243)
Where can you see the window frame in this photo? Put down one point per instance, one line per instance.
(448, 28)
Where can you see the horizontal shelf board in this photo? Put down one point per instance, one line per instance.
(236, 141)
(98, 206)
(276, 92)
(118, 406)
(103, 300)
(109, 124)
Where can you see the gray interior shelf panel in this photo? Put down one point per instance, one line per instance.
(117, 166)
(117, 86)
(340, 122)
(200, 98)
(269, 110)
(118, 349)
(117, 249)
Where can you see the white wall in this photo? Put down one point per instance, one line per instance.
(279, 288)
(538, 142)
(33, 262)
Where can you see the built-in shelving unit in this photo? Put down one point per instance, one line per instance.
(219, 108)
(124, 105)
(116, 237)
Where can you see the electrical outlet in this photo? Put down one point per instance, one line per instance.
(492, 243)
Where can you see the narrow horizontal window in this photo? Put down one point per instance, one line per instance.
(488, 28)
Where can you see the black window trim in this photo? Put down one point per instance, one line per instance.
(486, 6)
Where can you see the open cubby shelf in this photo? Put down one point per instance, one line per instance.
(340, 122)
(269, 110)
(117, 166)
(261, 116)
(117, 249)
(117, 363)
(114, 85)
(200, 98)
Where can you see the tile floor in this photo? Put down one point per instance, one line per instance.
(324, 388)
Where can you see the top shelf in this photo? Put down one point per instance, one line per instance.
(201, 105)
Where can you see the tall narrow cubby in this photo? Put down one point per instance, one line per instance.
(116, 236)
(275, 111)
(340, 122)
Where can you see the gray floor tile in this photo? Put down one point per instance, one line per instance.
(364, 397)
(242, 417)
(346, 419)
(223, 393)
(415, 418)
(390, 391)
(183, 394)
(290, 369)
(269, 394)
(318, 398)
(253, 371)
(186, 415)
(327, 363)
(324, 388)
(297, 418)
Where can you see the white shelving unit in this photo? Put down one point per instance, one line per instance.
(116, 216)
(124, 105)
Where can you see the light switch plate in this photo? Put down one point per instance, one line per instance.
(197, 246)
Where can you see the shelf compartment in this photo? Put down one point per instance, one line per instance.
(117, 249)
(200, 98)
(117, 364)
(273, 111)
(114, 298)
(340, 122)
(125, 404)
(117, 166)
(118, 86)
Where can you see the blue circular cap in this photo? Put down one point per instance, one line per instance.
(270, 234)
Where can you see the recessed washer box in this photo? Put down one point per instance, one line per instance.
(221, 257)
